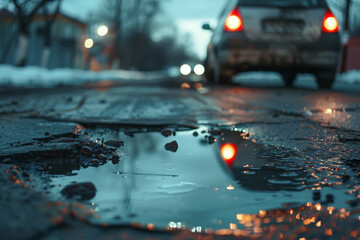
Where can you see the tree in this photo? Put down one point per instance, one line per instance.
(348, 12)
(26, 10)
(136, 23)
(49, 22)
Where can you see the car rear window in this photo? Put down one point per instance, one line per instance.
(283, 3)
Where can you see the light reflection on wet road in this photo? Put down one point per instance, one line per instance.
(294, 146)
(194, 186)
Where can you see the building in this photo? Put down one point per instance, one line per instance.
(66, 48)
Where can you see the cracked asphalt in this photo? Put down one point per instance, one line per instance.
(293, 144)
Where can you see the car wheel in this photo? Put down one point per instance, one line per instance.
(289, 78)
(221, 76)
(325, 79)
(209, 73)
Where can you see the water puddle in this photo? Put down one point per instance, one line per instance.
(205, 179)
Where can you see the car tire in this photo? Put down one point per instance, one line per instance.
(288, 78)
(325, 79)
(209, 73)
(221, 76)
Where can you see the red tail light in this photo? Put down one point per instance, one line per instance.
(330, 24)
(228, 153)
(234, 21)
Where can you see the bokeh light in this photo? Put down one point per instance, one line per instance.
(199, 70)
(89, 43)
(185, 69)
(102, 30)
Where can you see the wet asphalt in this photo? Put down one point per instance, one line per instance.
(111, 160)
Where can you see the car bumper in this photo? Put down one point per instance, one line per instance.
(242, 54)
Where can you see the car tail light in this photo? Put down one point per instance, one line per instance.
(234, 21)
(228, 153)
(330, 24)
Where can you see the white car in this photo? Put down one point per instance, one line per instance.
(287, 36)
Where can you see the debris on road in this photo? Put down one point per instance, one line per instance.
(172, 146)
(81, 191)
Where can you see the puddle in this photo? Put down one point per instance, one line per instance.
(206, 182)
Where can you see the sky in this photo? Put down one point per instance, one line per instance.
(188, 15)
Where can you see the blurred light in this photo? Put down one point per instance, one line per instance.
(230, 187)
(233, 21)
(228, 153)
(102, 30)
(199, 70)
(185, 69)
(89, 43)
(330, 24)
(233, 226)
(198, 86)
(185, 85)
(328, 111)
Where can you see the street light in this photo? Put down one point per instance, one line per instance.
(89, 43)
(102, 30)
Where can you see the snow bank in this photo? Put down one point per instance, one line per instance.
(32, 76)
(37, 76)
(272, 78)
(350, 77)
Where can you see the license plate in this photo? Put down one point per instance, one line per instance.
(283, 27)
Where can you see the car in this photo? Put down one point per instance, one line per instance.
(285, 36)
(189, 68)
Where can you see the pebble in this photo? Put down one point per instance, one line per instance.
(330, 198)
(83, 191)
(316, 195)
(95, 163)
(101, 157)
(87, 151)
(172, 146)
(211, 140)
(115, 159)
(167, 132)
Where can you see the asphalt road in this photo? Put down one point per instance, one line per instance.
(297, 148)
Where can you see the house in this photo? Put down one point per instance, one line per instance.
(66, 48)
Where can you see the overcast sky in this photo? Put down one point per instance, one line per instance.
(189, 15)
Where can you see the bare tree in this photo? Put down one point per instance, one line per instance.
(145, 38)
(133, 20)
(26, 10)
(348, 10)
(49, 22)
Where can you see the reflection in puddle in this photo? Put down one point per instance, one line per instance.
(194, 187)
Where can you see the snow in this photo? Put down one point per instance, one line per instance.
(275, 79)
(33, 76)
(350, 77)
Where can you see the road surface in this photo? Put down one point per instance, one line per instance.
(153, 153)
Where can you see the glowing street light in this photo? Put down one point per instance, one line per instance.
(102, 30)
(89, 43)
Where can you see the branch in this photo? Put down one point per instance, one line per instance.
(17, 5)
(33, 12)
(56, 11)
(46, 15)
(19, 9)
